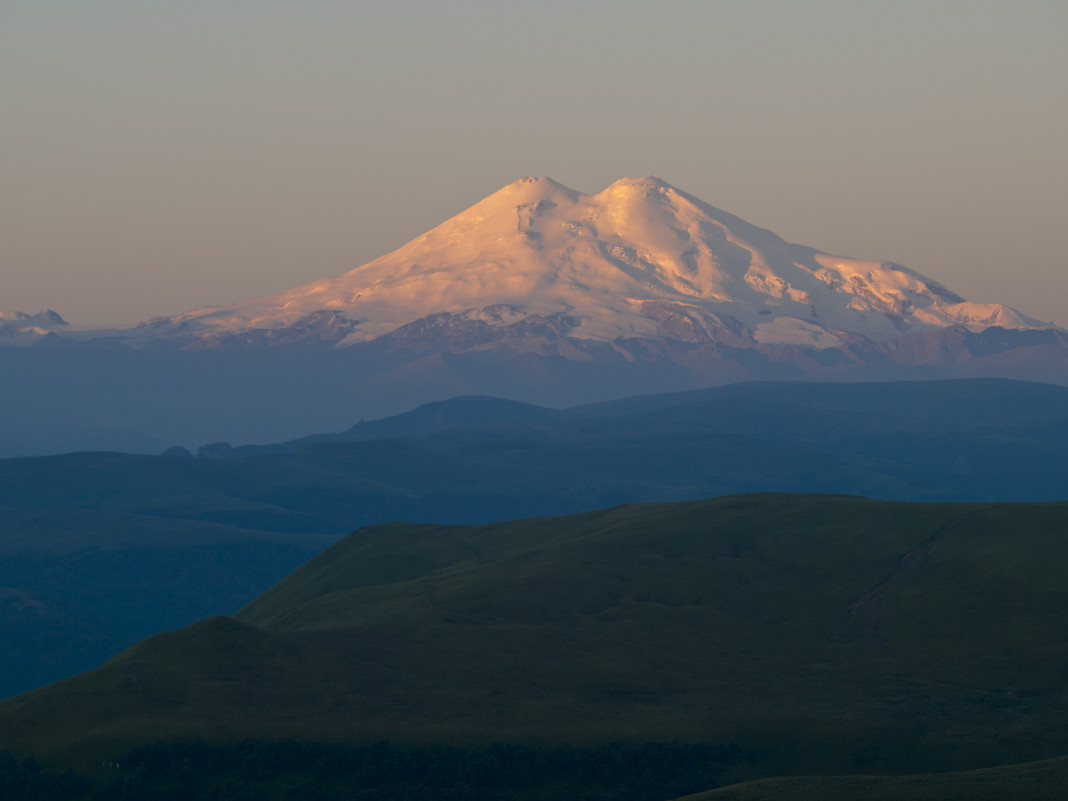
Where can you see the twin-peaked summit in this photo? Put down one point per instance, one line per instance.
(536, 293)
(640, 259)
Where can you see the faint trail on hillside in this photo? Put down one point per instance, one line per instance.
(864, 611)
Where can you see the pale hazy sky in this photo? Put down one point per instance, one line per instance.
(158, 156)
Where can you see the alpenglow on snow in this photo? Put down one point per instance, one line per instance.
(640, 259)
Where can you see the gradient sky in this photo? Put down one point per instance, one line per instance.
(157, 157)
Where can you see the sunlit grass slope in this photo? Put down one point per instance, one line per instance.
(817, 634)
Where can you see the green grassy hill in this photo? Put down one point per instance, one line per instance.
(803, 634)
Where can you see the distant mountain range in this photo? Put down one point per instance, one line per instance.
(537, 293)
(100, 549)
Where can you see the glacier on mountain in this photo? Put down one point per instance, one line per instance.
(640, 259)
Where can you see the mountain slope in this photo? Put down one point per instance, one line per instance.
(818, 634)
(639, 259)
(537, 294)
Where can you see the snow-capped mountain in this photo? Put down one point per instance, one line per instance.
(537, 293)
(639, 259)
(19, 328)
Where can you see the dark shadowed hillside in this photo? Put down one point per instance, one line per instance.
(788, 634)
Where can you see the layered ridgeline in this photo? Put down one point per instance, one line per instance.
(537, 293)
(749, 636)
(98, 550)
